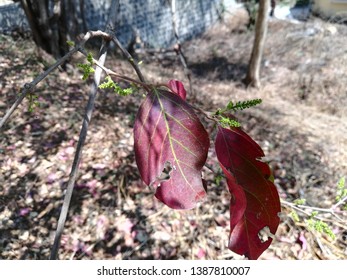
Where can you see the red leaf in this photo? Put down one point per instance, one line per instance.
(255, 203)
(168, 132)
(178, 88)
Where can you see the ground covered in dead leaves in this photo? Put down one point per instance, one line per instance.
(301, 126)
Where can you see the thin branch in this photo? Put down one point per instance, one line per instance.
(114, 39)
(293, 206)
(342, 201)
(83, 133)
(301, 208)
(78, 156)
(330, 210)
(178, 48)
(109, 72)
(208, 115)
(29, 87)
(129, 58)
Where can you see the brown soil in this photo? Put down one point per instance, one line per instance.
(301, 126)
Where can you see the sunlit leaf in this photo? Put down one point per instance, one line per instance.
(177, 87)
(171, 147)
(255, 203)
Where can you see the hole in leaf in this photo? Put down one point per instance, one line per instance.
(264, 234)
(164, 176)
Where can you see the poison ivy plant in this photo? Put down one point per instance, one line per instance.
(171, 147)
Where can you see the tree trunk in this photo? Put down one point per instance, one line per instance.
(253, 73)
(53, 22)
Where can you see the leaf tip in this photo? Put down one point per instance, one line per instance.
(177, 87)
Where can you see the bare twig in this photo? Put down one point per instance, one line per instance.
(301, 208)
(112, 37)
(78, 154)
(119, 76)
(83, 133)
(178, 48)
(129, 57)
(208, 115)
(29, 87)
(342, 201)
(107, 36)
